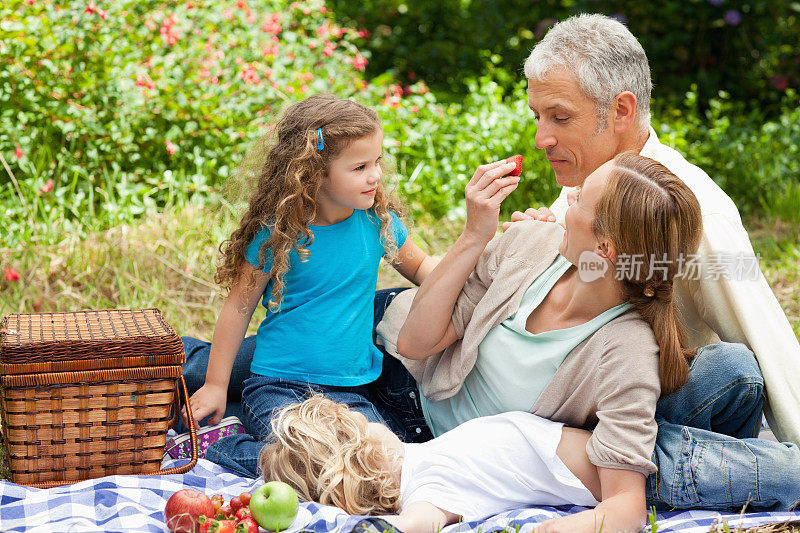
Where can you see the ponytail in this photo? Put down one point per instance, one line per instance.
(646, 211)
(660, 311)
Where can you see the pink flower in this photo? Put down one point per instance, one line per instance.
(359, 63)
(336, 31)
(228, 14)
(171, 148)
(312, 45)
(11, 274)
(90, 8)
(363, 33)
(780, 82)
(47, 187)
(269, 51)
(414, 109)
(103, 14)
(323, 9)
(323, 29)
(143, 80)
(18, 153)
(306, 11)
(271, 26)
(329, 48)
(250, 75)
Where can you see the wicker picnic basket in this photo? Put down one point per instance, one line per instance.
(89, 394)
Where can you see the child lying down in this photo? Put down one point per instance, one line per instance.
(333, 456)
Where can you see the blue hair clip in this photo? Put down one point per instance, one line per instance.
(320, 142)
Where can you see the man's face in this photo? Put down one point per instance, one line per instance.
(569, 130)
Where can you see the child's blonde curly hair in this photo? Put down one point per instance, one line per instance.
(321, 448)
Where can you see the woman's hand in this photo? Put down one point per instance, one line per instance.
(487, 189)
(622, 509)
(209, 399)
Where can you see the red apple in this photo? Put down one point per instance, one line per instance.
(184, 508)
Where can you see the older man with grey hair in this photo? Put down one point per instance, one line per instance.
(589, 89)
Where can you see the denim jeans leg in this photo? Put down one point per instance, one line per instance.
(261, 398)
(397, 398)
(724, 394)
(395, 392)
(706, 470)
(238, 453)
(382, 300)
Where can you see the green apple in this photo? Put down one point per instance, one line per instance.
(274, 505)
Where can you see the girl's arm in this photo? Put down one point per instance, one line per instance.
(412, 263)
(422, 517)
(622, 509)
(229, 332)
(428, 328)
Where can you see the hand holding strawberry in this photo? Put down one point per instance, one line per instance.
(517, 160)
(487, 189)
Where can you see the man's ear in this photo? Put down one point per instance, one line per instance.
(624, 110)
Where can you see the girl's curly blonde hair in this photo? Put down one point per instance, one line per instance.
(288, 170)
(321, 448)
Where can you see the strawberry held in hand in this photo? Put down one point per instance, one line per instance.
(517, 160)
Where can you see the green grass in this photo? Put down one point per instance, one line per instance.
(167, 260)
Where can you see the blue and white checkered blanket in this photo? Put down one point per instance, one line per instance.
(136, 503)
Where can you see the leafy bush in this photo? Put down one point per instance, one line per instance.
(108, 115)
(746, 47)
(107, 110)
(757, 162)
(439, 146)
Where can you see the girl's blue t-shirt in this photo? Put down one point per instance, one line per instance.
(322, 332)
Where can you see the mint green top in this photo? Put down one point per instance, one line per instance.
(513, 365)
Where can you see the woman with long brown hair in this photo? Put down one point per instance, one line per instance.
(575, 324)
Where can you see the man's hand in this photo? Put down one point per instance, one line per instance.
(543, 213)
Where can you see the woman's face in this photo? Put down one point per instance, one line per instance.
(579, 237)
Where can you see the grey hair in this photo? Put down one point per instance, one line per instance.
(604, 57)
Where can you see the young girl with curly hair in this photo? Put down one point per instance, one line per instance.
(333, 455)
(308, 247)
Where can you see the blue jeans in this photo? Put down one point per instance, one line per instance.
(392, 399)
(261, 398)
(706, 450)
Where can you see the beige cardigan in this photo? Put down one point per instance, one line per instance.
(608, 383)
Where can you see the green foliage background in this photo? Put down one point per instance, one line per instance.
(110, 110)
(747, 48)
